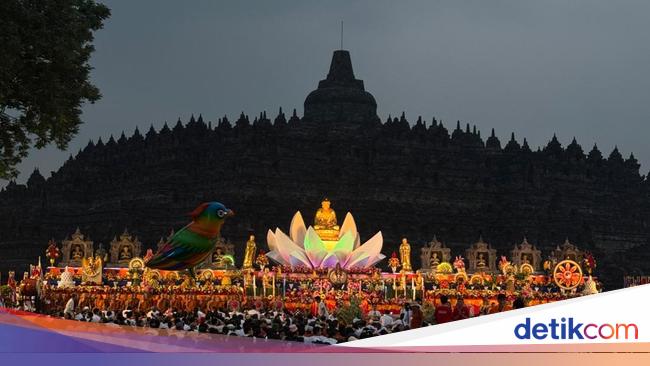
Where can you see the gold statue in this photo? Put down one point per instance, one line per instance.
(267, 280)
(419, 281)
(325, 216)
(249, 255)
(91, 270)
(325, 222)
(405, 255)
(480, 263)
(248, 279)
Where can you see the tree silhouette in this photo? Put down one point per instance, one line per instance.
(44, 73)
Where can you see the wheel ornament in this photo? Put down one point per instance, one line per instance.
(567, 274)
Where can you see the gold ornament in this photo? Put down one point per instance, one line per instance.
(567, 274)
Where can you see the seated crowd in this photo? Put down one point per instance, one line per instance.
(318, 326)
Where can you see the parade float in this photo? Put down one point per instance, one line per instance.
(323, 259)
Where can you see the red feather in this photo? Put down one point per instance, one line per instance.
(197, 211)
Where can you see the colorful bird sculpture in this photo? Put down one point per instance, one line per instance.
(192, 244)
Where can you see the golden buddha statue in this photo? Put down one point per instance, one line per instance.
(267, 277)
(419, 281)
(248, 278)
(405, 255)
(325, 222)
(249, 255)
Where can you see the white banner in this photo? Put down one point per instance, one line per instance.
(618, 316)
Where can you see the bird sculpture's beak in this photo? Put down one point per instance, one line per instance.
(230, 213)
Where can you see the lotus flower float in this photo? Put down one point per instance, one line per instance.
(303, 247)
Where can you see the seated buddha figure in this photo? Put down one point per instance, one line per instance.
(480, 262)
(125, 253)
(325, 222)
(435, 261)
(77, 253)
(217, 258)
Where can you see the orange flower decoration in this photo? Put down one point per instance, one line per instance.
(567, 274)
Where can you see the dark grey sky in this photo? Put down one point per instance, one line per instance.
(575, 68)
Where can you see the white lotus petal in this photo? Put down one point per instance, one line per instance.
(352, 257)
(270, 240)
(276, 257)
(370, 250)
(330, 261)
(348, 225)
(358, 260)
(372, 262)
(344, 246)
(298, 258)
(373, 246)
(314, 247)
(286, 246)
(297, 229)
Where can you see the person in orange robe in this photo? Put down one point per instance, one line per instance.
(365, 306)
(190, 305)
(97, 301)
(313, 307)
(330, 301)
(162, 304)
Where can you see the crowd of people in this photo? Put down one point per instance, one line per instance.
(319, 325)
(327, 318)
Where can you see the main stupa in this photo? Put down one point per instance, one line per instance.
(340, 97)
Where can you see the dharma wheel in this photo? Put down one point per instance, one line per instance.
(567, 274)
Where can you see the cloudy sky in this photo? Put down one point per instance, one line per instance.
(575, 68)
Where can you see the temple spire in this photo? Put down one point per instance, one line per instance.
(340, 97)
(341, 67)
(341, 34)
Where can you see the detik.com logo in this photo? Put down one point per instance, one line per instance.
(568, 328)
